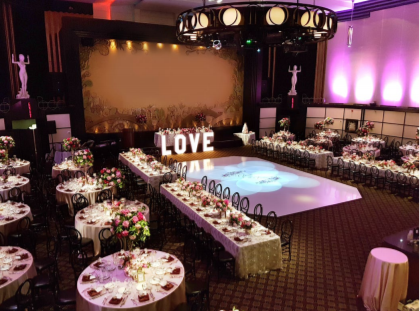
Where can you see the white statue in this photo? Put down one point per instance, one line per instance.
(23, 76)
(294, 79)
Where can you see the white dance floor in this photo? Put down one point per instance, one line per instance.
(278, 188)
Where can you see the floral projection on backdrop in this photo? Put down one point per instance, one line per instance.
(105, 116)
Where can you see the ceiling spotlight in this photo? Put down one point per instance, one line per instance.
(217, 44)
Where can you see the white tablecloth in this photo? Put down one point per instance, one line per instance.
(11, 214)
(166, 301)
(21, 182)
(258, 255)
(246, 138)
(21, 167)
(140, 169)
(368, 141)
(407, 148)
(349, 148)
(56, 169)
(8, 290)
(385, 280)
(64, 195)
(170, 139)
(102, 221)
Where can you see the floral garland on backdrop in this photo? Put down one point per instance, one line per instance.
(71, 144)
(111, 177)
(83, 157)
(141, 119)
(131, 225)
(328, 121)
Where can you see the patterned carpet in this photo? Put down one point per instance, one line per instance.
(330, 247)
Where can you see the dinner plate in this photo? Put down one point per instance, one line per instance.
(155, 281)
(160, 271)
(155, 264)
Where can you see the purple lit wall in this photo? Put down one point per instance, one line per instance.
(383, 63)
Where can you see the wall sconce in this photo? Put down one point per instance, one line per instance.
(129, 44)
(145, 46)
(174, 46)
(160, 45)
(112, 44)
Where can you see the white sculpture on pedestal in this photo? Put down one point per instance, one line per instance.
(23, 76)
(294, 79)
(245, 129)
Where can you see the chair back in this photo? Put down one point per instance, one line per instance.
(352, 166)
(15, 194)
(258, 210)
(401, 178)
(24, 295)
(204, 182)
(226, 193)
(330, 161)
(103, 196)
(190, 251)
(66, 174)
(363, 168)
(389, 175)
(244, 205)
(79, 174)
(79, 262)
(218, 191)
(340, 163)
(164, 160)
(286, 230)
(271, 221)
(414, 182)
(212, 186)
(375, 171)
(75, 197)
(236, 197)
(167, 178)
(184, 172)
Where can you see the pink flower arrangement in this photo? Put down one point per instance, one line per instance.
(141, 119)
(112, 177)
(319, 125)
(221, 205)
(71, 143)
(285, 122)
(248, 224)
(83, 157)
(205, 201)
(235, 219)
(130, 223)
(7, 142)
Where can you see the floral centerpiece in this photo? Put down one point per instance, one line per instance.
(112, 177)
(131, 227)
(195, 188)
(328, 121)
(200, 117)
(180, 180)
(385, 164)
(345, 154)
(156, 166)
(136, 151)
(221, 206)
(6, 143)
(369, 125)
(205, 201)
(235, 219)
(302, 143)
(141, 119)
(368, 156)
(285, 122)
(409, 165)
(83, 157)
(149, 158)
(362, 131)
(354, 157)
(248, 225)
(71, 144)
(319, 125)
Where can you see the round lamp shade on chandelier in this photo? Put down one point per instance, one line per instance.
(257, 23)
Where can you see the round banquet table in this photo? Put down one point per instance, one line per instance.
(10, 215)
(91, 220)
(159, 298)
(68, 165)
(385, 280)
(21, 167)
(21, 182)
(368, 141)
(13, 278)
(64, 193)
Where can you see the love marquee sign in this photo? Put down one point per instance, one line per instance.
(180, 143)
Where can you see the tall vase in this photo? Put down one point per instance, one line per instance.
(126, 244)
(72, 156)
(6, 156)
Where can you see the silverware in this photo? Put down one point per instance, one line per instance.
(134, 301)
(92, 298)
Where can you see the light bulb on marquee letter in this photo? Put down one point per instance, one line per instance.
(206, 141)
(164, 151)
(194, 139)
(184, 144)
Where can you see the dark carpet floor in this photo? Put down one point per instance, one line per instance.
(330, 247)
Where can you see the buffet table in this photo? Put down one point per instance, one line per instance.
(141, 169)
(91, 220)
(170, 138)
(64, 193)
(10, 215)
(21, 166)
(246, 138)
(256, 253)
(20, 182)
(17, 265)
(163, 289)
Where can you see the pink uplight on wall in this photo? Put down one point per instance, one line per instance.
(340, 87)
(415, 91)
(392, 92)
(364, 89)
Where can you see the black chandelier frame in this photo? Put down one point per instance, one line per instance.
(253, 25)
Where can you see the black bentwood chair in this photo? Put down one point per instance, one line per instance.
(271, 221)
(286, 235)
(244, 205)
(218, 191)
(211, 187)
(258, 210)
(204, 182)
(236, 198)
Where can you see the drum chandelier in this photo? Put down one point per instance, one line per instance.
(256, 24)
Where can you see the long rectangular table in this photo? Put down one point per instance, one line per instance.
(257, 255)
(320, 158)
(138, 168)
